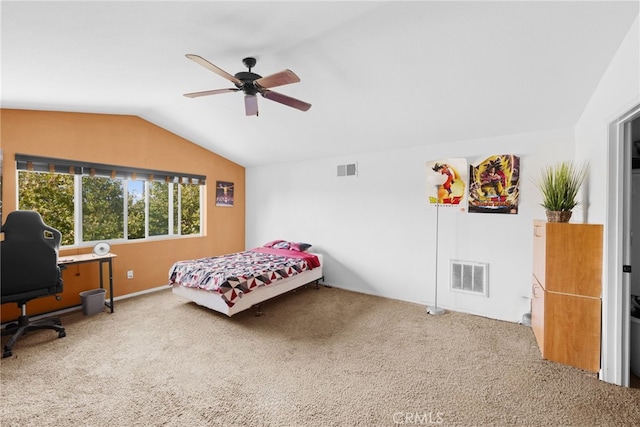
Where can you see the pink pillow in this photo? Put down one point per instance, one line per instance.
(272, 243)
(283, 244)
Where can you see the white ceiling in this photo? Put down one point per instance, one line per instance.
(379, 74)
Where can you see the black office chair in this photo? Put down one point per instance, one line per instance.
(29, 255)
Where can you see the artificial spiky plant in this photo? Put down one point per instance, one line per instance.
(559, 185)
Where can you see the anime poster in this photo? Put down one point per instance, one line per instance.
(494, 185)
(224, 193)
(447, 181)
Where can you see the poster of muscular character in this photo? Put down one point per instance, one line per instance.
(447, 182)
(494, 184)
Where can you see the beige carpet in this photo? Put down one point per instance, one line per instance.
(324, 357)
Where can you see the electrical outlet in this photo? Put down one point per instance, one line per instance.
(130, 274)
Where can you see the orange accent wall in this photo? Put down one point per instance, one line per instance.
(126, 141)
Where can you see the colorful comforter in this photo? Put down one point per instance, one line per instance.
(236, 274)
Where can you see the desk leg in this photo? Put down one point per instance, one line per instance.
(111, 283)
(110, 303)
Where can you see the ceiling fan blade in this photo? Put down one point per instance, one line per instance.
(278, 79)
(251, 105)
(286, 100)
(210, 92)
(209, 66)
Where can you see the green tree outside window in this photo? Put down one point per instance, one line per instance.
(102, 202)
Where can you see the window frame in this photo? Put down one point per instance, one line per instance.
(79, 170)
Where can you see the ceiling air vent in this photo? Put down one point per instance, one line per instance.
(350, 169)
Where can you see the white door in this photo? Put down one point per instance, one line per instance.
(616, 294)
(635, 232)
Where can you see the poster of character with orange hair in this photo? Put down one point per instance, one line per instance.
(494, 185)
(447, 181)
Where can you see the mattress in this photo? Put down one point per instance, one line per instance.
(243, 286)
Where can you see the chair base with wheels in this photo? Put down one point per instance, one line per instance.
(25, 325)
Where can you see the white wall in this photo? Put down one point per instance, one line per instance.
(617, 92)
(377, 231)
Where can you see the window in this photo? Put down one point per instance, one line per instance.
(93, 202)
(52, 195)
(102, 208)
(158, 215)
(136, 203)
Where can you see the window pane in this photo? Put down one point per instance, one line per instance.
(102, 209)
(176, 211)
(135, 209)
(158, 208)
(189, 209)
(51, 194)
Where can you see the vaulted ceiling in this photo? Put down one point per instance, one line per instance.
(379, 75)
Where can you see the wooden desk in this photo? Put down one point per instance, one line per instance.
(65, 261)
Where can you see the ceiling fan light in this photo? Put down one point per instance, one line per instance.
(251, 105)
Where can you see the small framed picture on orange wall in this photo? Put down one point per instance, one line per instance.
(224, 193)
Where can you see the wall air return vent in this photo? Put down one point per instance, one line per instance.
(350, 169)
(470, 277)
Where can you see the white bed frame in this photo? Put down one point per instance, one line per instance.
(214, 300)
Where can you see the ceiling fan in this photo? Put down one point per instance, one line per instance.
(252, 84)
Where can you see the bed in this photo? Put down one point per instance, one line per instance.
(235, 282)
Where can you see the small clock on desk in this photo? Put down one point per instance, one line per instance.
(101, 248)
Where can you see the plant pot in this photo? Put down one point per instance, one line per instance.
(558, 216)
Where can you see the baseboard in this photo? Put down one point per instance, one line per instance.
(146, 291)
(79, 307)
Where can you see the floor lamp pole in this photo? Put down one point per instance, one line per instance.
(434, 309)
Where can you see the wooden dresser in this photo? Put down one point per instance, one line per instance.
(567, 286)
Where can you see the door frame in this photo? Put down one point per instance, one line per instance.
(615, 359)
